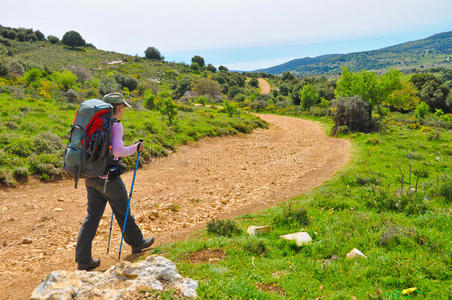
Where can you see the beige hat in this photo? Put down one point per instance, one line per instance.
(114, 98)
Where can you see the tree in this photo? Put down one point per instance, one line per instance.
(308, 96)
(287, 76)
(168, 108)
(73, 39)
(183, 85)
(211, 68)
(195, 66)
(403, 99)
(368, 86)
(153, 53)
(222, 68)
(254, 82)
(53, 39)
(206, 86)
(39, 35)
(198, 59)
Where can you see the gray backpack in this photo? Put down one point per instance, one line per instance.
(88, 151)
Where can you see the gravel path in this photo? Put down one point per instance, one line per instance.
(220, 177)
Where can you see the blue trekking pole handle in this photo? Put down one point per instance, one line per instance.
(130, 197)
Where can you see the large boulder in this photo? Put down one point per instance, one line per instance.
(122, 281)
(354, 113)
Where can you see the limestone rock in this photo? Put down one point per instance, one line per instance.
(118, 282)
(255, 230)
(355, 253)
(300, 237)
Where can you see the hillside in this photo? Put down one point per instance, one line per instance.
(433, 51)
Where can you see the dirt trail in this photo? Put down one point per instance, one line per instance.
(218, 177)
(264, 86)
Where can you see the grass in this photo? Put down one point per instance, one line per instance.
(404, 247)
(34, 133)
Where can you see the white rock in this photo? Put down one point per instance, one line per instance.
(57, 209)
(255, 230)
(300, 237)
(355, 253)
(115, 283)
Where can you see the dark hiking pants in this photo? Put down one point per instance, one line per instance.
(116, 195)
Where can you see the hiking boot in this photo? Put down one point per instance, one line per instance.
(90, 265)
(146, 243)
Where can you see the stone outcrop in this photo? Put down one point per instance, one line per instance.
(121, 281)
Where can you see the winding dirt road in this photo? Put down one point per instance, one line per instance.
(220, 177)
(264, 86)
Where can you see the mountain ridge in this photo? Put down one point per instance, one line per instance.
(436, 51)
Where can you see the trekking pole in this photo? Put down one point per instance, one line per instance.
(109, 235)
(130, 197)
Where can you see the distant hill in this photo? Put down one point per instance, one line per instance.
(434, 51)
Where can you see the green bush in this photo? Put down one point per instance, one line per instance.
(149, 99)
(223, 228)
(107, 86)
(66, 79)
(33, 76)
(47, 142)
(445, 189)
(48, 165)
(168, 109)
(308, 96)
(230, 108)
(256, 247)
(4, 71)
(254, 82)
(438, 113)
(199, 60)
(5, 178)
(20, 174)
(292, 217)
(53, 39)
(324, 103)
(421, 110)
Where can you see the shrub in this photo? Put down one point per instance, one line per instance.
(324, 103)
(107, 85)
(352, 112)
(131, 83)
(47, 142)
(223, 227)
(53, 39)
(206, 86)
(254, 82)
(32, 76)
(256, 247)
(65, 79)
(5, 178)
(211, 68)
(438, 113)
(71, 96)
(230, 108)
(445, 189)
(291, 217)
(421, 110)
(48, 165)
(81, 73)
(20, 174)
(153, 53)
(195, 67)
(308, 96)
(4, 71)
(199, 60)
(39, 35)
(149, 99)
(168, 109)
(222, 69)
(73, 39)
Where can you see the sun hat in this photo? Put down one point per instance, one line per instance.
(114, 98)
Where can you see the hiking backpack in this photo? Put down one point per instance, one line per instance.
(88, 151)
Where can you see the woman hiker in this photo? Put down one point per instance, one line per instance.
(100, 191)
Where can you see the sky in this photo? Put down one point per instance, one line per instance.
(240, 34)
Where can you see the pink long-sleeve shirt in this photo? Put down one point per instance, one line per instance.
(117, 145)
